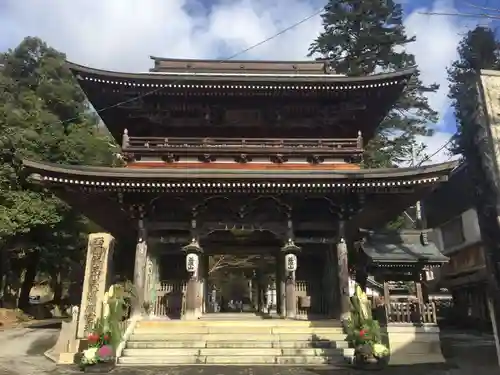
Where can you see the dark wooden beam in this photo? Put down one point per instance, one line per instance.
(379, 209)
(315, 226)
(183, 240)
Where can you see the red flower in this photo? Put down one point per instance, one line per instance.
(93, 337)
(363, 333)
(106, 337)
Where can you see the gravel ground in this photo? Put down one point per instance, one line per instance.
(21, 353)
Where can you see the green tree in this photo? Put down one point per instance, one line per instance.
(363, 37)
(478, 50)
(44, 116)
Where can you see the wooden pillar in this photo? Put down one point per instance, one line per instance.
(387, 301)
(420, 299)
(291, 300)
(330, 290)
(193, 253)
(207, 290)
(280, 285)
(343, 268)
(191, 291)
(141, 250)
(290, 251)
(153, 266)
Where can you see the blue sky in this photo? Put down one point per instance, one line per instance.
(122, 34)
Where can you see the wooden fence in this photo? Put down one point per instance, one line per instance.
(410, 312)
(169, 299)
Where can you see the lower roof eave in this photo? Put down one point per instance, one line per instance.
(95, 177)
(409, 262)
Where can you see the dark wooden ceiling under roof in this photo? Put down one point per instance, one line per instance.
(451, 198)
(270, 100)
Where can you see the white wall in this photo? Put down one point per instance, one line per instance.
(470, 228)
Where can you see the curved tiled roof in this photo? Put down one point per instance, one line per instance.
(143, 177)
(107, 76)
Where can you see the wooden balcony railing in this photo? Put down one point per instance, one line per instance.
(410, 312)
(153, 145)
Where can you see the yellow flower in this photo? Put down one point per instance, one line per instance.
(90, 355)
(380, 350)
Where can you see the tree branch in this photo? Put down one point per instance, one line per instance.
(224, 261)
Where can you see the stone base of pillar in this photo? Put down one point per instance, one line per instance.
(198, 313)
(189, 315)
(291, 307)
(191, 311)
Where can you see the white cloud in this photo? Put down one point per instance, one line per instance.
(436, 47)
(435, 150)
(122, 34)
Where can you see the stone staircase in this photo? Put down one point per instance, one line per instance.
(239, 340)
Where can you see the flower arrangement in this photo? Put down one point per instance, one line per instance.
(363, 332)
(106, 333)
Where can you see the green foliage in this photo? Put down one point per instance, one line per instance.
(363, 332)
(478, 50)
(107, 331)
(363, 37)
(43, 116)
(108, 328)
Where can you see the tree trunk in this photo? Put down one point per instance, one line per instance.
(4, 271)
(56, 286)
(31, 266)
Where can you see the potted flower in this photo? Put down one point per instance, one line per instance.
(363, 334)
(99, 356)
(106, 334)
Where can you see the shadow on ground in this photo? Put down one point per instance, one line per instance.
(41, 345)
(468, 350)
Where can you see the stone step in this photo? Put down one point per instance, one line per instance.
(204, 330)
(251, 342)
(164, 344)
(229, 360)
(213, 337)
(240, 323)
(161, 361)
(234, 344)
(288, 352)
(170, 352)
(230, 316)
(240, 329)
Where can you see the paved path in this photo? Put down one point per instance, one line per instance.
(21, 351)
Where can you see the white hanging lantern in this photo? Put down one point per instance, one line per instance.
(192, 262)
(290, 262)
